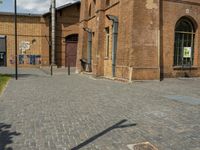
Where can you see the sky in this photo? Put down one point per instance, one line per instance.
(30, 6)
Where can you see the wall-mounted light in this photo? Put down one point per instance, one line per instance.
(33, 41)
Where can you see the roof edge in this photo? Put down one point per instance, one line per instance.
(40, 15)
(20, 14)
(63, 7)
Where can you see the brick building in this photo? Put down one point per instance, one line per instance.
(30, 29)
(140, 39)
(34, 30)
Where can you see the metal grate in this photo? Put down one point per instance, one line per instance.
(184, 43)
(142, 146)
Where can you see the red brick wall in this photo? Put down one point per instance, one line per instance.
(169, 21)
(38, 28)
(67, 24)
(145, 47)
(29, 28)
(132, 51)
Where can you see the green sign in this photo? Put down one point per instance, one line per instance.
(1, 1)
(187, 52)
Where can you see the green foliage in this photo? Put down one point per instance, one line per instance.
(3, 81)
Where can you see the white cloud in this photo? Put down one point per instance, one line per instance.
(39, 6)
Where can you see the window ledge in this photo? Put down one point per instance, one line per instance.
(185, 67)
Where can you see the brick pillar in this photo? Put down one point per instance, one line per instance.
(100, 23)
(125, 39)
(82, 42)
(146, 40)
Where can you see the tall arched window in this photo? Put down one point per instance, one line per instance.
(92, 8)
(184, 42)
(90, 11)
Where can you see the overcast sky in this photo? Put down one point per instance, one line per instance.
(31, 6)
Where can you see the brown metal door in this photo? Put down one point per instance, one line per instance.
(71, 53)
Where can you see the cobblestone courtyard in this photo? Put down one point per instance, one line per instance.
(40, 112)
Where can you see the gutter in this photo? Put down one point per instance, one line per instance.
(114, 19)
(89, 50)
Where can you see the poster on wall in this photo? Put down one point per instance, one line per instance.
(187, 52)
(24, 46)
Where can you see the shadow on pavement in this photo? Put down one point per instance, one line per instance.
(95, 137)
(27, 75)
(6, 136)
(35, 72)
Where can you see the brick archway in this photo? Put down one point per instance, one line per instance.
(71, 50)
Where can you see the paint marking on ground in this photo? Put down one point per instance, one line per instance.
(184, 99)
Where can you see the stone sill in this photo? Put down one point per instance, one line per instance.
(185, 67)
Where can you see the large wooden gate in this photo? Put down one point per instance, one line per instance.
(71, 50)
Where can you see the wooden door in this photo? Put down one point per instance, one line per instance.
(71, 53)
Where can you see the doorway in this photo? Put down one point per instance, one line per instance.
(71, 50)
(2, 51)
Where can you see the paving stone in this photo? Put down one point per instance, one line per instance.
(40, 112)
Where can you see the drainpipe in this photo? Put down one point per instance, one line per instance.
(114, 19)
(89, 50)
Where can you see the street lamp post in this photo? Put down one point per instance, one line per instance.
(16, 57)
(53, 11)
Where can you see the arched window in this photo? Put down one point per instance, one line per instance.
(184, 42)
(90, 11)
(72, 38)
(92, 8)
(107, 3)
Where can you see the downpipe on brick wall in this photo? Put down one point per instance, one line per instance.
(89, 50)
(114, 19)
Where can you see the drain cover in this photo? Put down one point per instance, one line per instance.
(142, 146)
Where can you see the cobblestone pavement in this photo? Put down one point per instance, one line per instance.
(40, 112)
